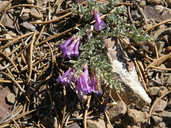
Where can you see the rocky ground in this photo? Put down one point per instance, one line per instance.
(30, 62)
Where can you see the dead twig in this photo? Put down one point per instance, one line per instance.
(23, 5)
(159, 68)
(139, 9)
(85, 112)
(159, 61)
(156, 25)
(64, 108)
(18, 117)
(41, 31)
(56, 19)
(31, 56)
(133, 48)
(140, 74)
(3, 54)
(155, 102)
(9, 81)
(57, 35)
(13, 80)
(15, 40)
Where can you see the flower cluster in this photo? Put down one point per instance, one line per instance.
(85, 83)
(70, 47)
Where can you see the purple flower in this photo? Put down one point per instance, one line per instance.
(63, 46)
(99, 24)
(82, 85)
(95, 84)
(70, 48)
(67, 77)
(75, 51)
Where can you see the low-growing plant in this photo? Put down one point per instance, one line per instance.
(91, 68)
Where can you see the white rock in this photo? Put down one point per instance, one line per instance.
(134, 91)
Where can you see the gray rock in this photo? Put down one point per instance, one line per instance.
(117, 111)
(169, 80)
(36, 13)
(137, 116)
(73, 125)
(98, 123)
(162, 91)
(7, 21)
(156, 81)
(157, 13)
(160, 106)
(29, 26)
(157, 119)
(134, 118)
(153, 91)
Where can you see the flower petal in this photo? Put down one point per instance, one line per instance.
(72, 49)
(99, 24)
(67, 77)
(97, 16)
(82, 85)
(65, 44)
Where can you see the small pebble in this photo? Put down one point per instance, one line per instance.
(7, 50)
(19, 59)
(11, 98)
(25, 16)
(131, 52)
(30, 1)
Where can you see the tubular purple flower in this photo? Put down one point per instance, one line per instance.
(72, 49)
(67, 77)
(99, 24)
(95, 84)
(82, 85)
(75, 51)
(63, 46)
(86, 72)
